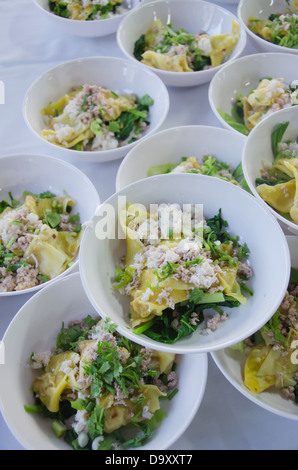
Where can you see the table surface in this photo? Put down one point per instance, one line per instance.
(29, 46)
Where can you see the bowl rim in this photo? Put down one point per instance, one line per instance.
(78, 22)
(127, 330)
(164, 132)
(75, 278)
(288, 223)
(234, 64)
(164, 73)
(262, 41)
(73, 168)
(109, 152)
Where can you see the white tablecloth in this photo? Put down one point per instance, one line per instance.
(29, 46)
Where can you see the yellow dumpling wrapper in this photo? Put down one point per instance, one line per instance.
(49, 260)
(145, 308)
(50, 385)
(291, 165)
(129, 219)
(266, 366)
(121, 414)
(152, 394)
(230, 286)
(265, 95)
(52, 109)
(73, 137)
(255, 383)
(40, 205)
(223, 44)
(154, 34)
(260, 27)
(251, 120)
(280, 196)
(191, 160)
(260, 100)
(165, 361)
(117, 416)
(175, 63)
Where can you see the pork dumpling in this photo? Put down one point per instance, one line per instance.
(175, 63)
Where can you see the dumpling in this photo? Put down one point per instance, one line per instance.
(223, 44)
(175, 63)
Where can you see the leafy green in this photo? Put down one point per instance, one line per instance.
(140, 47)
(276, 138)
(130, 121)
(294, 276)
(43, 195)
(59, 8)
(273, 326)
(200, 61)
(103, 9)
(68, 338)
(8, 203)
(96, 421)
(234, 122)
(279, 34)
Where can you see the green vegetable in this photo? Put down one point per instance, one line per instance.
(276, 138)
(58, 428)
(294, 276)
(59, 8)
(43, 195)
(5, 203)
(140, 47)
(161, 169)
(238, 347)
(95, 127)
(126, 277)
(234, 122)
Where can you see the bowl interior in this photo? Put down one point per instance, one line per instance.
(63, 302)
(194, 16)
(231, 365)
(116, 74)
(170, 145)
(262, 9)
(102, 247)
(25, 172)
(243, 75)
(257, 151)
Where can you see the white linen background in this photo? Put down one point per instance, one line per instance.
(29, 46)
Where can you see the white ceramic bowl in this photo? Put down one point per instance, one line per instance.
(102, 249)
(262, 9)
(257, 149)
(113, 73)
(169, 145)
(243, 75)
(228, 2)
(231, 365)
(38, 173)
(92, 28)
(65, 301)
(192, 15)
